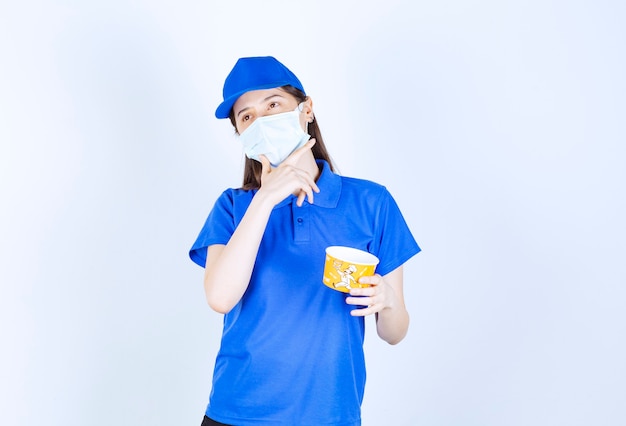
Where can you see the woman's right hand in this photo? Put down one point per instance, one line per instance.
(229, 267)
(277, 183)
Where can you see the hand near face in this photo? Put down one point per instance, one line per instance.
(277, 183)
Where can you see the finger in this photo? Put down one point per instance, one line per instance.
(364, 312)
(359, 300)
(295, 156)
(307, 187)
(370, 279)
(307, 193)
(365, 291)
(308, 180)
(301, 197)
(310, 197)
(314, 186)
(365, 309)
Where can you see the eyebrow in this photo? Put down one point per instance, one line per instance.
(264, 100)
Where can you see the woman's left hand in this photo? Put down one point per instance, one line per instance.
(378, 296)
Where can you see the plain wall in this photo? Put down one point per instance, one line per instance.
(498, 126)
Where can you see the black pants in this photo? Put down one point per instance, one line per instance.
(211, 422)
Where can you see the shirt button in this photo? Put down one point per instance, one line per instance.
(300, 220)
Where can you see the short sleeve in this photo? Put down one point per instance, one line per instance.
(218, 228)
(393, 238)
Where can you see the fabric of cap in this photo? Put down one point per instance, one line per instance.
(254, 73)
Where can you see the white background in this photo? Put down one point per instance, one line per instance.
(497, 125)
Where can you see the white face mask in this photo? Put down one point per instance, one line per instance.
(275, 136)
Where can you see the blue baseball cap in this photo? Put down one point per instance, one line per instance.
(254, 73)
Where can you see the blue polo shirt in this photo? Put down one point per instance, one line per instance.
(291, 353)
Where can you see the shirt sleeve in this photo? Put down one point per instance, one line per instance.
(217, 229)
(394, 240)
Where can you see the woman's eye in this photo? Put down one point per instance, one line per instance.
(273, 105)
(245, 118)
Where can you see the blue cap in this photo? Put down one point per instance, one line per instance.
(256, 73)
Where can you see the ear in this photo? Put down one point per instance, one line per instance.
(307, 109)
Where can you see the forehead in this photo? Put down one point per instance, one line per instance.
(255, 97)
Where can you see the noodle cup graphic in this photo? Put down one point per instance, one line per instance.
(345, 265)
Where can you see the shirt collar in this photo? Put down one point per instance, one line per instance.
(329, 184)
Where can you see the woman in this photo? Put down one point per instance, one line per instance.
(292, 348)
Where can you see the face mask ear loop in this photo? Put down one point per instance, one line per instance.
(300, 107)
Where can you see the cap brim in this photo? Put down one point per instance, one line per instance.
(223, 110)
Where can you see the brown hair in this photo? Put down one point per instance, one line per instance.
(252, 168)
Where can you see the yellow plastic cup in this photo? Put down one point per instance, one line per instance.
(345, 265)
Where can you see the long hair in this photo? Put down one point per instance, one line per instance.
(252, 169)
